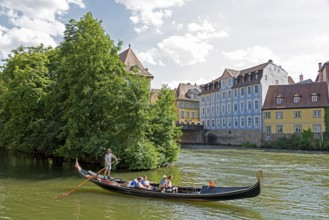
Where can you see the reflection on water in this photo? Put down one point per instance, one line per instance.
(295, 187)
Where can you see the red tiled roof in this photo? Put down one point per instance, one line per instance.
(305, 92)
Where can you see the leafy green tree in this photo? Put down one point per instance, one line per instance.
(163, 131)
(100, 105)
(22, 104)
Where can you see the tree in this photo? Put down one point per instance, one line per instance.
(163, 131)
(22, 103)
(100, 104)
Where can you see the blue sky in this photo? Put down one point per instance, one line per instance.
(185, 40)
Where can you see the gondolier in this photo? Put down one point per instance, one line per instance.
(108, 163)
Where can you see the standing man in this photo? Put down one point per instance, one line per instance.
(108, 163)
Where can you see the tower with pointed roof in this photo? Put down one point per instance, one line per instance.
(133, 65)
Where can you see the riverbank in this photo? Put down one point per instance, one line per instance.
(263, 149)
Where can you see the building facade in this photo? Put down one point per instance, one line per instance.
(234, 101)
(188, 104)
(290, 109)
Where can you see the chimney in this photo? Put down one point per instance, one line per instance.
(301, 78)
(320, 65)
(270, 61)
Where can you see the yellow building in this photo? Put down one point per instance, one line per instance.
(188, 104)
(290, 109)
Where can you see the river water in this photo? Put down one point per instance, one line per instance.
(295, 186)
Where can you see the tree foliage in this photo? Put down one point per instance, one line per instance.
(77, 100)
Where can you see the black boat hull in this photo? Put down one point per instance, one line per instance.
(184, 193)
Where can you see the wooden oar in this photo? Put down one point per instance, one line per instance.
(75, 188)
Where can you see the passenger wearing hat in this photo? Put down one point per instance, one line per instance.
(163, 182)
(108, 163)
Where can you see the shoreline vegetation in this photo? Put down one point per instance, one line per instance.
(79, 99)
(236, 147)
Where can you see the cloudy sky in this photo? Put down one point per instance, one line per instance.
(185, 40)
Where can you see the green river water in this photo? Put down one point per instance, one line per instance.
(295, 186)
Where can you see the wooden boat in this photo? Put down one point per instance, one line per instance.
(204, 193)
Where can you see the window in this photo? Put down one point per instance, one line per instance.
(223, 95)
(223, 122)
(256, 121)
(316, 128)
(256, 88)
(208, 123)
(202, 99)
(182, 114)
(212, 97)
(203, 111)
(193, 115)
(187, 104)
(212, 110)
(188, 114)
(242, 106)
(223, 108)
(279, 129)
(268, 129)
(314, 97)
(249, 90)
(265, 77)
(218, 109)
(249, 121)
(256, 105)
(296, 98)
(249, 105)
(229, 108)
(218, 96)
(192, 105)
(235, 107)
(235, 122)
(242, 121)
(181, 104)
(218, 123)
(316, 114)
(235, 93)
(213, 123)
(277, 82)
(297, 114)
(279, 115)
(279, 99)
(208, 98)
(298, 128)
(229, 122)
(267, 115)
(208, 110)
(229, 94)
(242, 92)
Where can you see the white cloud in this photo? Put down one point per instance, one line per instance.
(33, 22)
(150, 57)
(320, 41)
(174, 83)
(303, 64)
(257, 54)
(194, 46)
(146, 13)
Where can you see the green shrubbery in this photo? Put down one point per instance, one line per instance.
(77, 100)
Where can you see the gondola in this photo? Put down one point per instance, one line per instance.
(204, 193)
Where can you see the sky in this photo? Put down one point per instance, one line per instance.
(185, 41)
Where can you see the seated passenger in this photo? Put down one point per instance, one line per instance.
(170, 185)
(139, 183)
(146, 182)
(133, 183)
(163, 183)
